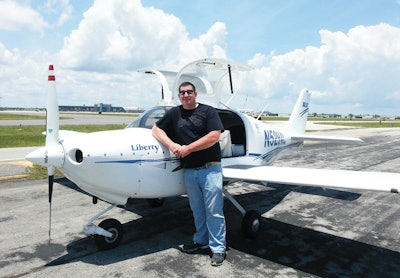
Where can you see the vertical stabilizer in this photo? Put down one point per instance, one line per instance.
(52, 117)
(298, 118)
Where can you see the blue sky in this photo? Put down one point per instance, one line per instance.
(279, 26)
(346, 52)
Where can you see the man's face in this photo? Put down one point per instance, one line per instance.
(187, 96)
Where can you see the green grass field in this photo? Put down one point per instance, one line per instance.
(366, 123)
(26, 136)
(29, 136)
(6, 116)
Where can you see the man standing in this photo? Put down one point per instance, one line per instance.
(191, 131)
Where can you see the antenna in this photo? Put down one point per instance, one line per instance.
(230, 78)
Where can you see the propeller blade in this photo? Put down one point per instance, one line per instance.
(51, 171)
(51, 181)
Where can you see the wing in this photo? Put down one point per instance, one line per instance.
(377, 181)
(310, 137)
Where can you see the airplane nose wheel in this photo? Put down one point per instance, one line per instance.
(113, 226)
(251, 224)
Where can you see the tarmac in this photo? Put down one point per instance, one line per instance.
(306, 232)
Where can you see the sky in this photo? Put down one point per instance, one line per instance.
(347, 53)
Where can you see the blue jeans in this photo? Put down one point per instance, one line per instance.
(204, 188)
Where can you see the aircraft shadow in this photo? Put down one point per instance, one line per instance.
(300, 248)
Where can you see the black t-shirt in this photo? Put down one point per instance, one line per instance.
(186, 126)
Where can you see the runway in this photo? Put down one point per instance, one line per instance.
(307, 232)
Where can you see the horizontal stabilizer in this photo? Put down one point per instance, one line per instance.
(377, 181)
(307, 137)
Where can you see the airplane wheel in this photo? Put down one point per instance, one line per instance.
(251, 224)
(156, 202)
(113, 226)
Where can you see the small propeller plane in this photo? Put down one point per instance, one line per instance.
(117, 165)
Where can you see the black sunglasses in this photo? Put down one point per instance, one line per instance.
(189, 92)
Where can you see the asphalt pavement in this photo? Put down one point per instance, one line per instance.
(307, 232)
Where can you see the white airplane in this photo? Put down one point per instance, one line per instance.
(130, 163)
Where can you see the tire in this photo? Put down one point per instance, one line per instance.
(113, 226)
(251, 224)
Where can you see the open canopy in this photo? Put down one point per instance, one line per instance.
(208, 75)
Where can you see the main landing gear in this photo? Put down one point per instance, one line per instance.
(108, 234)
(251, 222)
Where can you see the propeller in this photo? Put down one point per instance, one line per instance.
(52, 155)
(52, 128)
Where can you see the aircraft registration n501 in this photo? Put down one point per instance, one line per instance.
(130, 163)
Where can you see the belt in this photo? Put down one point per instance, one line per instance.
(208, 164)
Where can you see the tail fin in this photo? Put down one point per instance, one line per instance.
(298, 119)
(296, 125)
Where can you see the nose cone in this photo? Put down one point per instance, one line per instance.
(48, 156)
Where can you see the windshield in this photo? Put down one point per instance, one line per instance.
(149, 117)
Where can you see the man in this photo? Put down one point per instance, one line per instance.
(191, 131)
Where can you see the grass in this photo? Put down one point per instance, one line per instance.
(40, 172)
(6, 116)
(366, 124)
(27, 136)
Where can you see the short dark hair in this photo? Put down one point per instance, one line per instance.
(186, 83)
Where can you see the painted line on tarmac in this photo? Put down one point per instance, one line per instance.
(23, 163)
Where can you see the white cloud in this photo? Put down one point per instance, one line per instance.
(16, 16)
(115, 38)
(349, 72)
(361, 65)
(124, 35)
(22, 78)
(8, 56)
(62, 8)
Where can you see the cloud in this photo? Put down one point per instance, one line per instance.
(116, 38)
(348, 72)
(124, 35)
(99, 59)
(22, 78)
(61, 8)
(8, 56)
(15, 16)
(361, 66)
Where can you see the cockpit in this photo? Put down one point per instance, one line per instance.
(208, 75)
(232, 140)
